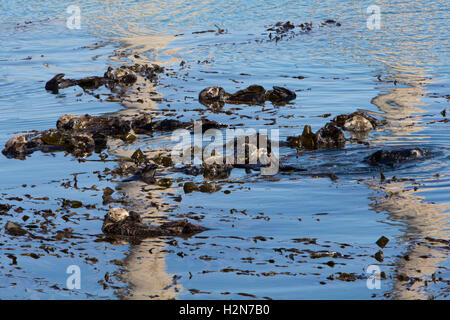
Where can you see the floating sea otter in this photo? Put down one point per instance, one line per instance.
(146, 174)
(119, 221)
(392, 157)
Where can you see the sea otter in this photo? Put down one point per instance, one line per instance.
(216, 97)
(119, 221)
(392, 157)
(57, 82)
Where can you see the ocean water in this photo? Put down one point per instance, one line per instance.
(267, 233)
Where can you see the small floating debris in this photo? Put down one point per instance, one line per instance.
(82, 135)
(288, 30)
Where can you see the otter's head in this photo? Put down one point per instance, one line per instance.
(116, 215)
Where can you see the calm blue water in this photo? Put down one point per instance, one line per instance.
(399, 72)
